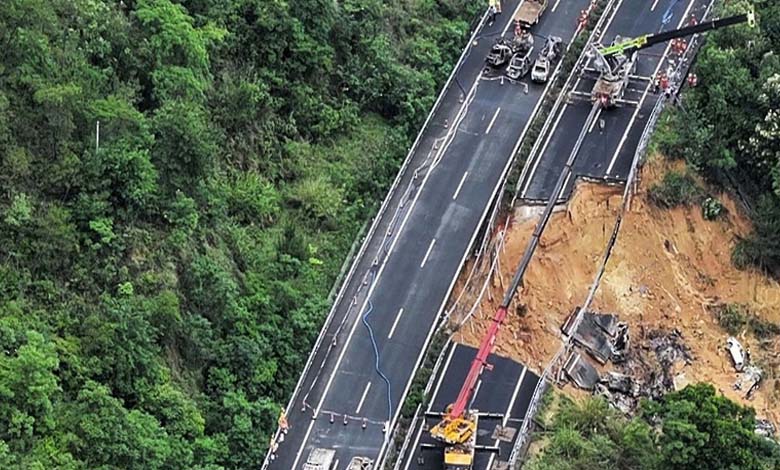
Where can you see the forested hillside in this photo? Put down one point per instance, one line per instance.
(728, 127)
(160, 289)
(691, 429)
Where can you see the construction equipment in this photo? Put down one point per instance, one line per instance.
(642, 42)
(548, 55)
(615, 64)
(530, 11)
(458, 426)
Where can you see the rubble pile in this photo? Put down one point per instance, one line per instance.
(647, 370)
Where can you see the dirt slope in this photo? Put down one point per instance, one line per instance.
(667, 268)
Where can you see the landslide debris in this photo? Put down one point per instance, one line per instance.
(668, 277)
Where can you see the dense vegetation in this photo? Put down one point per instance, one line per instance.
(692, 429)
(728, 127)
(159, 292)
(675, 189)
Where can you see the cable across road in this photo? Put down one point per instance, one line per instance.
(377, 368)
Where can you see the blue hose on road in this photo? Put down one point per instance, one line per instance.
(376, 362)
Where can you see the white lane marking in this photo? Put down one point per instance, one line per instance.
(460, 185)
(514, 396)
(542, 150)
(508, 410)
(363, 398)
(411, 454)
(655, 4)
(476, 391)
(443, 373)
(428, 253)
(644, 95)
(595, 120)
(492, 121)
(395, 323)
(556, 5)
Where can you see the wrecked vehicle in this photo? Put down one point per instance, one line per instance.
(505, 49)
(738, 357)
(519, 65)
(547, 57)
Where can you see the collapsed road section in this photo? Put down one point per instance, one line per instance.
(458, 423)
(349, 395)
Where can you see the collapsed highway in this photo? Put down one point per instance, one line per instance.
(349, 397)
(420, 453)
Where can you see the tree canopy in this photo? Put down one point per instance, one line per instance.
(694, 428)
(160, 289)
(729, 127)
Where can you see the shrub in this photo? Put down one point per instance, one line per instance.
(711, 208)
(731, 317)
(735, 317)
(676, 189)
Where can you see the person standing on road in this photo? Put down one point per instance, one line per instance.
(494, 9)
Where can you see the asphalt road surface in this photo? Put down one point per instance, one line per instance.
(607, 152)
(505, 390)
(410, 263)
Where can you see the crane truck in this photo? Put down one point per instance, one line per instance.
(615, 64)
(458, 427)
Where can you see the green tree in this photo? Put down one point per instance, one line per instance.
(701, 429)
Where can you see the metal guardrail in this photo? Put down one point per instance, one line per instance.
(639, 155)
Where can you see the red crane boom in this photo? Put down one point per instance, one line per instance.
(479, 362)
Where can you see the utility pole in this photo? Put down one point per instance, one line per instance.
(97, 136)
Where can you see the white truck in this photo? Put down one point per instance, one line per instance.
(320, 459)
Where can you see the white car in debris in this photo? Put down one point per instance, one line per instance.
(738, 356)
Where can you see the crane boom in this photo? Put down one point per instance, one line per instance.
(648, 40)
